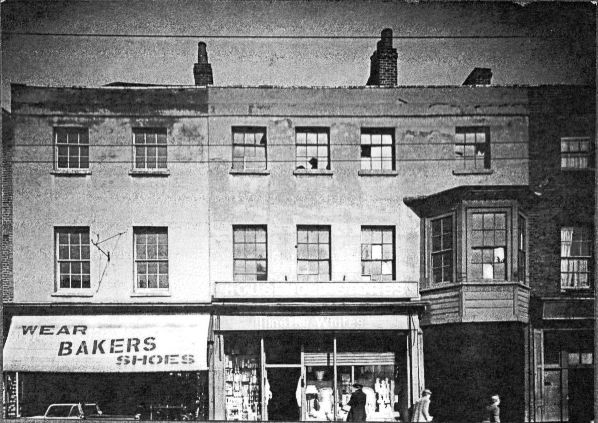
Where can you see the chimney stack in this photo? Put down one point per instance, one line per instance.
(202, 70)
(479, 76)
(383, 67)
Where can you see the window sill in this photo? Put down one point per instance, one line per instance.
(151, 294)
(149, 172)
(70, 172)
(577, 169)
(312, 172)
(86, 293)
(377, 173)
(462, 172)
(249, 172)
(573, 290)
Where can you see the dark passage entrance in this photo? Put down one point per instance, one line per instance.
(283, 405)
(581, 395)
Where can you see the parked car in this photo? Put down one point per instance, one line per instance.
(72, 411)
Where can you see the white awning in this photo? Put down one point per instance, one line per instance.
(114, 344)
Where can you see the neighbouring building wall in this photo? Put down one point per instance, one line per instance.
(562, 346)
(567, 195)
(109, 199)
(7, 214)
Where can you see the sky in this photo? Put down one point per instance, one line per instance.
(293, 43)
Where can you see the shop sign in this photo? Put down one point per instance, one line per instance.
(140, 343)
(231, 290)
(369, 322)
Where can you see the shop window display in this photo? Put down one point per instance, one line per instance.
(378, 384)
(242, 380)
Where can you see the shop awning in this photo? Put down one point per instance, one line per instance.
(107, 343)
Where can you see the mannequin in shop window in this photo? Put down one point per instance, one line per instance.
(323, 408)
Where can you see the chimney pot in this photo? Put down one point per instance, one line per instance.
(386, 38)
(202, 54)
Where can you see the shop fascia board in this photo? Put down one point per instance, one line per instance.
(307, 307)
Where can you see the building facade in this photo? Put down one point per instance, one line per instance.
(237, 253)
(562, 171)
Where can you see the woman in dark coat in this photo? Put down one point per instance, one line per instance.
(357, 404)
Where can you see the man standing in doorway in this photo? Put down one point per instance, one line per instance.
(493, 410)
(357, 404)
(421, 408)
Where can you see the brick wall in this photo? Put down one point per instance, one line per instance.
(6, 251)
(567, 196)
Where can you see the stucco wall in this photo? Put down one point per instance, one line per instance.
(200, 200)
(344, 199)
(110, 201)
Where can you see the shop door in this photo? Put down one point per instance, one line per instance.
(553, 396)
(581, 395)
(285, 386)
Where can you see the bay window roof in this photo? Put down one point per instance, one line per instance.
(429, 205)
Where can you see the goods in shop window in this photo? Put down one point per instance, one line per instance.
(241, 387)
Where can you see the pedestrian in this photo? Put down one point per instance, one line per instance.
(421, 408)
(357, 403)
(493, 412)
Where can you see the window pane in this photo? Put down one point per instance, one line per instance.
(488, 271)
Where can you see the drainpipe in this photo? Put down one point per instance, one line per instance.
(410, 349)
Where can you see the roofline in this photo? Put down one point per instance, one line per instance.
(136, 86)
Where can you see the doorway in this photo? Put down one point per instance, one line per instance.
(283, 405)
(581, 395)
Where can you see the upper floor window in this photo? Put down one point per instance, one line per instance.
(250, 254)
(249, 148)
(151, 258)
(472, 147)
(72, 258)
(313, 253)
(442, 249)
(488, 246)
(71, 147)
(150, 148)
(377, 149)
(377, 253)
(521, 249)
(576, 253)
(313, 148)
(576, 152)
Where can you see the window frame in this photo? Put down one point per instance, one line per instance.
(246, 130)
(572, 155)
(156, 131)
(312, 228)
(145, 230)
(58, 261)
(256, 259)
(312, 130)
(371, 131)
(57, 145)
(429, 241)
(522, 249)
(508, 210)
(588, 233)
(381, 260)
(462, 160)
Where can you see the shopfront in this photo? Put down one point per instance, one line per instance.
(302, 367)
(151, 365)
